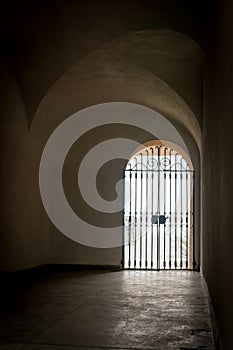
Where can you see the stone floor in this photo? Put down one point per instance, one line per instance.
(106, 310)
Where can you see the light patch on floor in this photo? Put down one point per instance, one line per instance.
(112, 310)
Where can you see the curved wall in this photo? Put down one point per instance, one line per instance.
(106, 76)
(136, 68)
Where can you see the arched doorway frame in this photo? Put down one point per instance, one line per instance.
(175, 166)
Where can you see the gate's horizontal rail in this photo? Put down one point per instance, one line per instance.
(158, 171)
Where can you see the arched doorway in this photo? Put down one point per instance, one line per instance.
(159, 209)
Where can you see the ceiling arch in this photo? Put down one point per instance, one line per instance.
(158, 69)
(41, 40)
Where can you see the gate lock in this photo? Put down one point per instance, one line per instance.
(161, 219)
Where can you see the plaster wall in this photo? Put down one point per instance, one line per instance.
(104, 78)
(81, 56)
(41, 40)
(217, 167)
(23, 223)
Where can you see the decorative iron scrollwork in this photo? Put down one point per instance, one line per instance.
(157, 163)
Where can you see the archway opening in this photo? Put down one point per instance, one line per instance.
(159, 209)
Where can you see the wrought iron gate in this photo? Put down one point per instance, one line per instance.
(158, 214)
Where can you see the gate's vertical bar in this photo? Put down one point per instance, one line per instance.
(123, 231)
(164, 209)
(130, 213)
(152, 205)
(193, 221)
(141, 187)
(135, 213)
(176, 210)
(181, 213)
(170, 213)
(187, 217)
(147, 180)
(158, 212)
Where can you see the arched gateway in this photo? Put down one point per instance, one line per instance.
(159, 214)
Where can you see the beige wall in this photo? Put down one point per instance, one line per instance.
(43, 39)
(24, 225)
(77, 68)
(98, 79)
(217, 166)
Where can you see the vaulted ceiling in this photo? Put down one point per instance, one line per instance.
(41, 40)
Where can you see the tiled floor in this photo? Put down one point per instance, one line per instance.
(96, 310)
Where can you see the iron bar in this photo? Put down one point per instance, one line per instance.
(152, 209)
(135, 216)
(193, 220)
(181, 217)
(140, 262)
(170, 213)
(164, 213)
(130, 213)
(175, 212)
(158, 213)
(147, 182)
(187, 218)
(124, 223)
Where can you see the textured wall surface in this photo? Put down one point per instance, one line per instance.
(217, 166)
(24, 224)
(82, 55)
(42, 39)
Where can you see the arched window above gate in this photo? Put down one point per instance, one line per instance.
(155, 155)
